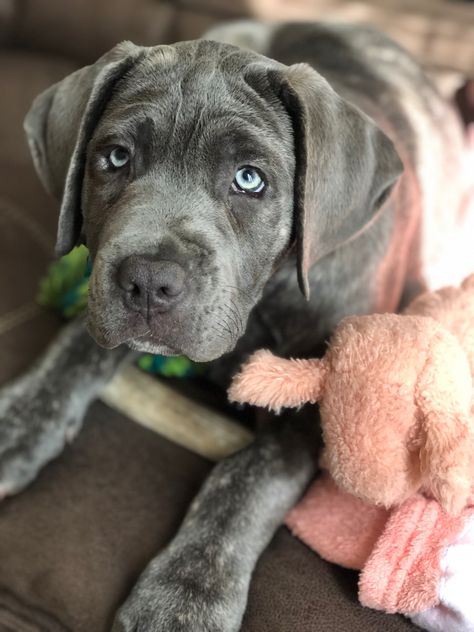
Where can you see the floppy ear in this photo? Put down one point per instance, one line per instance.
(59, 126)
(345, 165)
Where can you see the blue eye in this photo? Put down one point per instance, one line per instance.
(248, 180)
(118, 157)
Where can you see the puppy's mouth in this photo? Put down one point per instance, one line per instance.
(193, 330)
(148, 344)
(138, 338)
(179, 342)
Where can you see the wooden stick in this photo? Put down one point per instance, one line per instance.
(158, 407)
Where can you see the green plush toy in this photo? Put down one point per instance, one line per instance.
(65, 289)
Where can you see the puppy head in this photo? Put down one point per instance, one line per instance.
(189, 171)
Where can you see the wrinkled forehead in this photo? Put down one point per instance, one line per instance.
(193, 70)
(190, 68)
(192, 85)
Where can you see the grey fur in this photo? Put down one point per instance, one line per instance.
(43, 409)
(192, 113)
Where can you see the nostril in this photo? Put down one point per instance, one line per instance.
(134, 289)
(170, 291)
(129, 286)
(125, 278)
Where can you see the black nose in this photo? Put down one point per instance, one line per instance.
(151, 284)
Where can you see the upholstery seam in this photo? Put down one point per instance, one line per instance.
(7, 608)
(18, 316)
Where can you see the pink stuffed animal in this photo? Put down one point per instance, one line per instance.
(396, 405)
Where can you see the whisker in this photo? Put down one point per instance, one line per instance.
(225, 326)
(234, 311)
(230, 319)
(231, 316)
(238, 315)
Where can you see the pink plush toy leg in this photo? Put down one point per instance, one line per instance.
(338, 526)
(404, 570)
(455, 609)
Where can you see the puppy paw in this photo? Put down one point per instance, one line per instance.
(35, 424)
(172, 596)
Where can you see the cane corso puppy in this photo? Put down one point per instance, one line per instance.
(245, 190)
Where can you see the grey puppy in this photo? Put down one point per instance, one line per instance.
(229, 201)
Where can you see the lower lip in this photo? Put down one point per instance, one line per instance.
(161, 348)
(167, 351)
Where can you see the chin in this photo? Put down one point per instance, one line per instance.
(136, 335)
(208, 354)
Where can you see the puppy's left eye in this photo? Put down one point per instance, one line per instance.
(248, 180)
(118, 157)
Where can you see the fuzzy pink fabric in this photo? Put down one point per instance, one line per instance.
(454, 611)
(399, 552)
(347, 528)
(402, 574)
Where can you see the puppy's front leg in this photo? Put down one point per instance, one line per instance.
(42, 409)
(200, 582)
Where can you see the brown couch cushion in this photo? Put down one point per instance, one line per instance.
(294, 590)
(24, 253)
(85, 29)
(27, 213)
(7, 17)
(73, 544)
(22, 77)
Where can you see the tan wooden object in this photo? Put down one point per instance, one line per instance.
(158, 407)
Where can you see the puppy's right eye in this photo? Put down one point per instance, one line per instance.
(248, 179)
(118, 157)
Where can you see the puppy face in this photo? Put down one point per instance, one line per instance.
(187, 170)
(187, 165)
